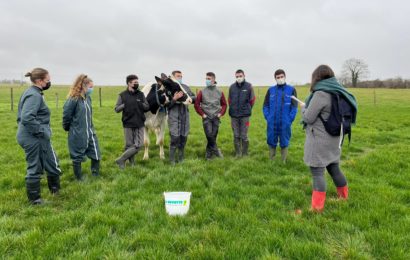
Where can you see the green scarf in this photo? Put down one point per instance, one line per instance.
(332, 86)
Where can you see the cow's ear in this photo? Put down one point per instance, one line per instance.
(159, 81)
(163, 76)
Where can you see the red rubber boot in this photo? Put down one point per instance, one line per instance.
(318, 200)
(342, 192)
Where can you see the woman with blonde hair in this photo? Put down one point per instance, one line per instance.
(77, 120)
(34, 135)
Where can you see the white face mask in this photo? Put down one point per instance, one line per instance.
(281, 81)
(240, 80)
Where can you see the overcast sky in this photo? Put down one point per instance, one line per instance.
(108, 40)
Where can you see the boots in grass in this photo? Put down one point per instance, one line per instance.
(33, 192)
(130, 152)
(53, 183)
(238, 148)
(77, 171)
(272, 152)
(172, 154)
(318, 200)
(284, 154)
(342, 192)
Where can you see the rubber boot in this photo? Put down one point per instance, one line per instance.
(343, 192)
(53, 183)
(77, 171)
(172, 151)
(95, 167)
(125, 156)
(284, 154)
(318, 200)
(181, 154)
(272, 152)
(208, 154)
(237, 145)
(218, 153)
(245, 145)
(132, 160)
(33, 192)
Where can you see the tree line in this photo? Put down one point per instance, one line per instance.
(355, 71)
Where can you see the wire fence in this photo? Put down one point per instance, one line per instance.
(106, 95)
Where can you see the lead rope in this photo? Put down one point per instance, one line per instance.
(341, 136)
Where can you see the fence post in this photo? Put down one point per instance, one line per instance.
(57, 100)
(12, 99)
(99, 94)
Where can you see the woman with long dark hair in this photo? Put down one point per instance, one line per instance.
(322, 150)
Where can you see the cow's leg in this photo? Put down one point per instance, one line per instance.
(160, 142)
(146, 144)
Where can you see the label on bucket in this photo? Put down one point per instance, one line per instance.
(176, 202)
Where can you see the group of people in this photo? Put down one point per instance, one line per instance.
(280, 107)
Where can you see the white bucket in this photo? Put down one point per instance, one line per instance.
(177, 203)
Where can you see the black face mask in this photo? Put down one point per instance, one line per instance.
(47, 86)
(136, 85)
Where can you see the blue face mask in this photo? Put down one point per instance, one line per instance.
(89, 91)
(208, 83)
(180, 81)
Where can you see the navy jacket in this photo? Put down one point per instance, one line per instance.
(241, 99)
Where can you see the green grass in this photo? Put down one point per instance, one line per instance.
(239, 208)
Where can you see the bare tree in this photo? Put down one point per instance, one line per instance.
(355, 70)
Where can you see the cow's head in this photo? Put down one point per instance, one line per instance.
(171, 86)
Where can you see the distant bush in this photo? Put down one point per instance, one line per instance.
(387, 83)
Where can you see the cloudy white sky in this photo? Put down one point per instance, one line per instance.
(110, 39)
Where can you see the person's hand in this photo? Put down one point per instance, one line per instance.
(204, 116)
(219, 115)
(302, 105)
(178, 95)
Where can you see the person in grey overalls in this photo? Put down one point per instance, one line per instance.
(133, 105)
(78, 121)
(241, 100)
(210, 104)
(178, 121)
(34, 134)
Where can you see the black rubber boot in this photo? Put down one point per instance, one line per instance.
(208, 154)
(130, 152)
(53, 183)
(131, 160)
(237, 145)
(33, 192)
(181, 155)
(95, 167)
(172, 151)
(218, 153)
(245, 145)
(77, 171)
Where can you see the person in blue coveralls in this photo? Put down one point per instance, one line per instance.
(34, 136)
(280, 111)
(78, 122)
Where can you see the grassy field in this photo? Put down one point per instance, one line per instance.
(239, 208)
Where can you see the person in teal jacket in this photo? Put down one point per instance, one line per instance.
(34, 134)
(280, 111)
(77, 120)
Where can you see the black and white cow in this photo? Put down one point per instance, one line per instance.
(171, 86)
(156, 118)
